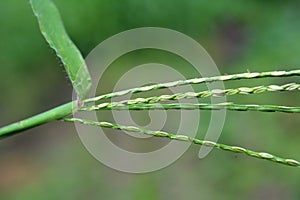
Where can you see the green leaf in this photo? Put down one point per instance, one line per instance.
(55, 34)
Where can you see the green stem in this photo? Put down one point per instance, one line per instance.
(42, 118)
(235, 149)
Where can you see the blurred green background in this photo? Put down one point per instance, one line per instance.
(49, 162)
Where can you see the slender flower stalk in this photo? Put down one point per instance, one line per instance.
(190, 106)
(202, 94)
(67, 109)
(247, 75)
(235, 149)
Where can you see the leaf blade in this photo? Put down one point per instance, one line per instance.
(54, 32)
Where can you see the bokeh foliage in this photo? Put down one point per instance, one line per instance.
(49, 162)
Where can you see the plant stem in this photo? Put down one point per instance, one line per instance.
(42, 118)
(235, 149)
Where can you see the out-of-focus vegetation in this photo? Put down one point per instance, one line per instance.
(49, 162)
